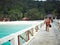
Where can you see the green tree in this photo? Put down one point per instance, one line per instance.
(34, 13)
(15, 14)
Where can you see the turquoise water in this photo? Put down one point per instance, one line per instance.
(6, 30)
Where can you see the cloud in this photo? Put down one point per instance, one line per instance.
(39, 0)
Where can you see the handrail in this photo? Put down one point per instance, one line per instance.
(58, 21)
(14, 38)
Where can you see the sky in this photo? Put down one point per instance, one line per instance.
(40, 0)
(45, 0)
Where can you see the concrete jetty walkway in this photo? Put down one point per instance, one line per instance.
(47, 38)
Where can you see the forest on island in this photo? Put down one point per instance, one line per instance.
(34, 10)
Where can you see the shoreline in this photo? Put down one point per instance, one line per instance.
(20, 22)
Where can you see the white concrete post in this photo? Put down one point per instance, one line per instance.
(14, 41)
(34, 31)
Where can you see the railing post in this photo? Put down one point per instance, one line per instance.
(14, 41)
(36, 28)
(27, 35)
(41, 25)
(32, 32)
(19, 40)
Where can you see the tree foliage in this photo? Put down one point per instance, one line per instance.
(17, 9)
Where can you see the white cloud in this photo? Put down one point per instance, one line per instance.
(43, 0)
(40, 0)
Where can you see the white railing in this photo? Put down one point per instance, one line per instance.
(57, 20)
(15, 37)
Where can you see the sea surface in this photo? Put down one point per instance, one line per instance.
(6, 30)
